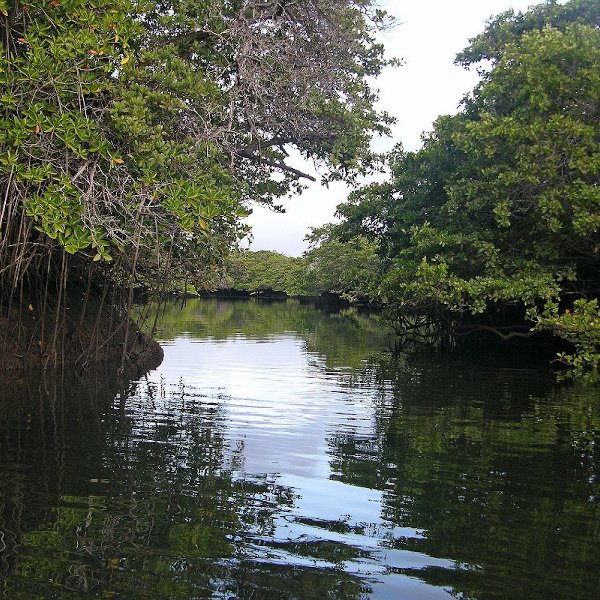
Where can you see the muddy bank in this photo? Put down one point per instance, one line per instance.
(78, 336)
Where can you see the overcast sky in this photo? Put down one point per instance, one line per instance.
(429, 35)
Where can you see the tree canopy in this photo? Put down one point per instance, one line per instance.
(263, 270)
(501, 206)
(350, 270)
(134, 135)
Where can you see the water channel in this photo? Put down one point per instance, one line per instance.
(281, 452)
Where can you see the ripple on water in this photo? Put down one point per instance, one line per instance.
(277, 453)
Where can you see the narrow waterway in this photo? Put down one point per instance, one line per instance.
(282, 452)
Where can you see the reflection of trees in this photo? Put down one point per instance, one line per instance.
(132, 493)
(37, 418)
(499, 478)
(345, 339)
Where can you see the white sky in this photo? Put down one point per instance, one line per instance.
(429, 35)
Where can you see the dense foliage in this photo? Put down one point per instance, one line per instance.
(501, 206)
(263, 270)
(349, 270)
(133, 135)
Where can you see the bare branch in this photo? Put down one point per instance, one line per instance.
(276, 164)
(498, 331)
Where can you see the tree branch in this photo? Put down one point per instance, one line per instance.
(274, 141)
(498, 331)
(275, 163)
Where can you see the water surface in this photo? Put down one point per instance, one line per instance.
(281, 452)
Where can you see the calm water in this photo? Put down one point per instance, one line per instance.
(281, 452)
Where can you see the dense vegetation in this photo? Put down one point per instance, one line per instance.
(494, 225)
(249, 271)
(133, 136)
(349, 270)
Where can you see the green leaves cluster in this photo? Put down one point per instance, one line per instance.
(501, 206)
(263, 270)
(56, 69)
(580, 326)
(350, 270)
(142, 131)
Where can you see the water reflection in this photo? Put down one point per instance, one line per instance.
(280, 452)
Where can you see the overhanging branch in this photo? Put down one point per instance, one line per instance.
(275, 163)
(512, 331)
